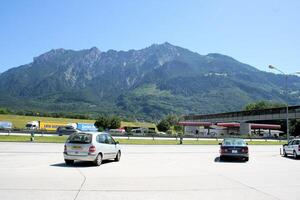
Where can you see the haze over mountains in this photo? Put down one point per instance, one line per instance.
(142, 84)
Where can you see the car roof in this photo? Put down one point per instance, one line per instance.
(233, 139)
(94, 133)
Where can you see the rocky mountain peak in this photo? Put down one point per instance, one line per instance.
(50, 55)
(95, 50)
(151, 82)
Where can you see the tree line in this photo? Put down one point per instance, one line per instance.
(7, 111)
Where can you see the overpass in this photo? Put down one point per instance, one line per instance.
(247, 116)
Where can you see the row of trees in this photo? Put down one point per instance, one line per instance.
(263, 105)
(168, 124)
(45, 114)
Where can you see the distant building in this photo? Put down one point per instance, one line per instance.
(217, 129)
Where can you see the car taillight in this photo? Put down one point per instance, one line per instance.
(244, 150)
(223, 150)
(92, 149)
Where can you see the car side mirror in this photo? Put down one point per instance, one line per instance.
(117, 142)
(220, 143)
(247, 143)
(285, 145)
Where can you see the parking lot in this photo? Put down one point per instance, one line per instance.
(37, 171)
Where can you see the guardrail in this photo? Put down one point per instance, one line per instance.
(151, 136)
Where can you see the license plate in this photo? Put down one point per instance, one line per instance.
(76, 153)
(76, 147)
(234, 151)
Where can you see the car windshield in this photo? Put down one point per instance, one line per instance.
(234, 142)
(80, 138)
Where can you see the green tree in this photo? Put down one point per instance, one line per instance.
(102, 123)
(295, 127)
(263, 105)
(172, 119)
(169, 122)
(4, 111)
(107, 122)
(178, 128)
(163, 125)
(114, 122)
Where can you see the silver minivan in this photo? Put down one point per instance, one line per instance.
(91, 146)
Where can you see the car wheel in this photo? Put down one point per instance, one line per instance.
(295, 155)
(98, 160)
(284, 153)
(118, 156)
(221, 158)
(69, 162)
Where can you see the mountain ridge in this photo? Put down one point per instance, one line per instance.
(141, 84)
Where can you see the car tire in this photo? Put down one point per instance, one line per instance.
(221, 158)
(118, 156)
(98, 160)
(69, 162)
(295, 155)
(284, 153)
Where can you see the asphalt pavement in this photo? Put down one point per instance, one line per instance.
(37, 171)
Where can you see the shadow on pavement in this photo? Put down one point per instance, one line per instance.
(80, 164)
(290, 157)
(230, 160)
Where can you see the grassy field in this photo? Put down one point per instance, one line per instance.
(62, 139)
(40, 139)
(19, 121)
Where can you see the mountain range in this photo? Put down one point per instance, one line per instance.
(142, 84)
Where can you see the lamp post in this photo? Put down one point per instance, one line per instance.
(286, 96)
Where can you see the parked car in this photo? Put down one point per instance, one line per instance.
(91, 146)
(292, 148)
(66, 130)
(234, 148)
(118, 131)
(139, 131)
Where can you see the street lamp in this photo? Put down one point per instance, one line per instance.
(286, 96)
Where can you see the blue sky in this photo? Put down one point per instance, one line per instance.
(254, 32)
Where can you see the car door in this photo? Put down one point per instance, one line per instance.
(103, 146)
(111, 146)
(295, 145)
(289, 147)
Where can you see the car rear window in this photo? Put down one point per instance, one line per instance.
(80, 138)
(234, 142)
